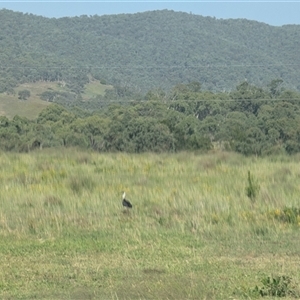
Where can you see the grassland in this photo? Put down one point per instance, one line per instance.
(11, 105)
(192, 233)
(94, 88)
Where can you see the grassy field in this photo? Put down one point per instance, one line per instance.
(192, 233)
(10, 105)
(94, 88)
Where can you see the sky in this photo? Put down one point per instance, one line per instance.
(274, 13)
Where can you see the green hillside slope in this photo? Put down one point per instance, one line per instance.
(146, 50)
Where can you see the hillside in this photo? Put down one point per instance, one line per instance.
(44, 93)
(146, 50)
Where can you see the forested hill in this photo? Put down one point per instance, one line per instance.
(146, 50)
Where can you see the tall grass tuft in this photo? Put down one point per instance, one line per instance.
(81, 182)
(52, 201)
(252, 188)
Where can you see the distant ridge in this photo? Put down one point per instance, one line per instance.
(146, 50)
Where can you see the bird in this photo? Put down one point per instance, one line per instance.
(125, 202)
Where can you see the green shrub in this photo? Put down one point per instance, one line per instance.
(289, 215)
(278, 286)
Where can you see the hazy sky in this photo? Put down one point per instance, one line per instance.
(272, 12)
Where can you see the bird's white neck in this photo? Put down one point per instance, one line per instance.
(124, 195)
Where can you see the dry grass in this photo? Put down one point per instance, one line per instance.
(192, 233)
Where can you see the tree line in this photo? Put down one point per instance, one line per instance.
(249, 120)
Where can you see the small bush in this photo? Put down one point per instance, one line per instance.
(278, 286)
(290, 215)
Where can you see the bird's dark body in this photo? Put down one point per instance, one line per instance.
(126, 203)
